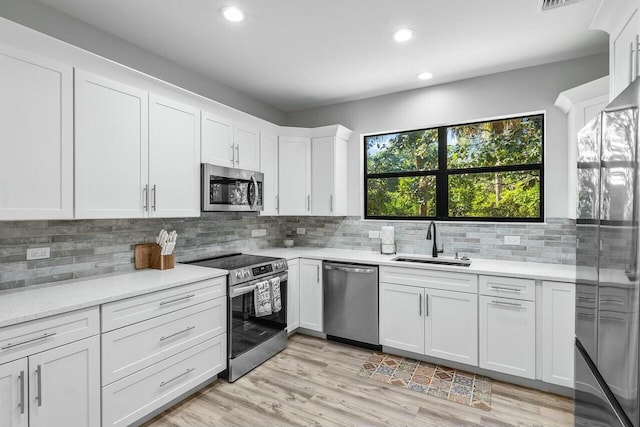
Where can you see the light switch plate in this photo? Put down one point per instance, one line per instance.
(301, 231)
(255, 233)
(263, 232)
(38, 253)
(374, 234)
(511, 240)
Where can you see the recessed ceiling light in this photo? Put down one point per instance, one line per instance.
(425, 75)
(403, 35)
(232, 13)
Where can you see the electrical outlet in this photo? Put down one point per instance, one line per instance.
(255, 233)
(301, 231)
(38, 253)
(263, 232)
(373, 234)
(511, 240)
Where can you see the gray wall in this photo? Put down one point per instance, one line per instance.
(44, 19)
(513, 92)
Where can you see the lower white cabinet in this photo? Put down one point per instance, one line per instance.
(57, 387)
(293, 296)
(508, 336)
(401, 318)
(558, 332)
(311, 316)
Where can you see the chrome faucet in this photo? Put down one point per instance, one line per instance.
(434, 249)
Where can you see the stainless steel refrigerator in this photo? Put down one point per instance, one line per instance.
(607, 298)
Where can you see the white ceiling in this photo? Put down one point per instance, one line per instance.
(297, 54)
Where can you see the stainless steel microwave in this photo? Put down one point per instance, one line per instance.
(228, 189)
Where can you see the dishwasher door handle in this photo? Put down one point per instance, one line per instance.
(348, 269)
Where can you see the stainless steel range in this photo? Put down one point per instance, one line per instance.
(252, 338)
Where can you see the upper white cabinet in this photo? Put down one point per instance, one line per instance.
(328, 176)
(294, 175)
(269, 167)
(111, 148)
(136, 155)
(36, 137)
(174, 158)
(229, 144)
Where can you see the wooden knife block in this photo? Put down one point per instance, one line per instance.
(147, 255)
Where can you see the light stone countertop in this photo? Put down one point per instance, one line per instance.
(36, 302)
(527, 270)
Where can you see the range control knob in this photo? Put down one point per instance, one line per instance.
(238, 274)
(245, 274)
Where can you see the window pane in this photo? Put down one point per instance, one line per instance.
(402, 152)
(412, 196)
(495, 195)
(515, 141)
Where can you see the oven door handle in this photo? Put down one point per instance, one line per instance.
(250, 288)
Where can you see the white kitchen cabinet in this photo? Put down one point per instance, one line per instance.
(293, 296)
(294, 175)
(111, 148)
(269, 167)
(507, 336)
(451, 326)
(558, 332)
(328, 176)
(247, 141)
(402, 324)
(217, 140)
(36, 137)
(174, 158)
(622, 47)
(311, 315)
(14, 402)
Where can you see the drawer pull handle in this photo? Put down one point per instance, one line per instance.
(188, 371)
(30, 340)
(39, 386)
(21, 404)
(500, 288)
(177, 299)
(512, 304)
(177, 333)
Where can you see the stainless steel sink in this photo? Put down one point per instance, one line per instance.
(438, 261)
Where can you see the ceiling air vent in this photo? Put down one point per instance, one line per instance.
(552, 4)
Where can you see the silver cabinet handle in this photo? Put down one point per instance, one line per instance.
(317, 274)
(308, 202)
(155, 195)
(277, 203)
(177, 333)
(348, 269)
(420, 305)
(426, 306)
(238, 154)
(39, 385)
(233, 156)
(164, 383)
(512, 304)
(177, 299)
(145, 198)
(331, 203)
(21, 404)
(15, 344)
(500, 288)
(631, 62)
(637, 49)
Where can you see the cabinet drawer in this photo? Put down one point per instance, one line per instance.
(28, 338)
(133, 397)
(446, 280)
(132, 310)
(509, 287)
(129, 349)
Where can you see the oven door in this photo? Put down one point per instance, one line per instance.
(246, 330)
(228, 189)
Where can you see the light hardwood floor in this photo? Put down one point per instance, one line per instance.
(314, 383)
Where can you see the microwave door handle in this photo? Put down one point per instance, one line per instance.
(255, 193)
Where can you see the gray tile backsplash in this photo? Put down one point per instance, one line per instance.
(82, 248)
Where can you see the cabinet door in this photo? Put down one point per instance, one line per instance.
(64, 385)
(293, 296)
(508, 336)
(451, 326)
(269, 167)
(36, 137)
(322, 176)
(174, 158)
(247, 140)
(14, 403)
(217, 141)
(294, 176)
(111, 148)
(622, 58)
(311, 295)
(402, 317)
(558, 332)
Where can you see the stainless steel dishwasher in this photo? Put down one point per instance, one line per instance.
(351, 302)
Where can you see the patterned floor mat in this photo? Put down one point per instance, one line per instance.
(434, 380)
